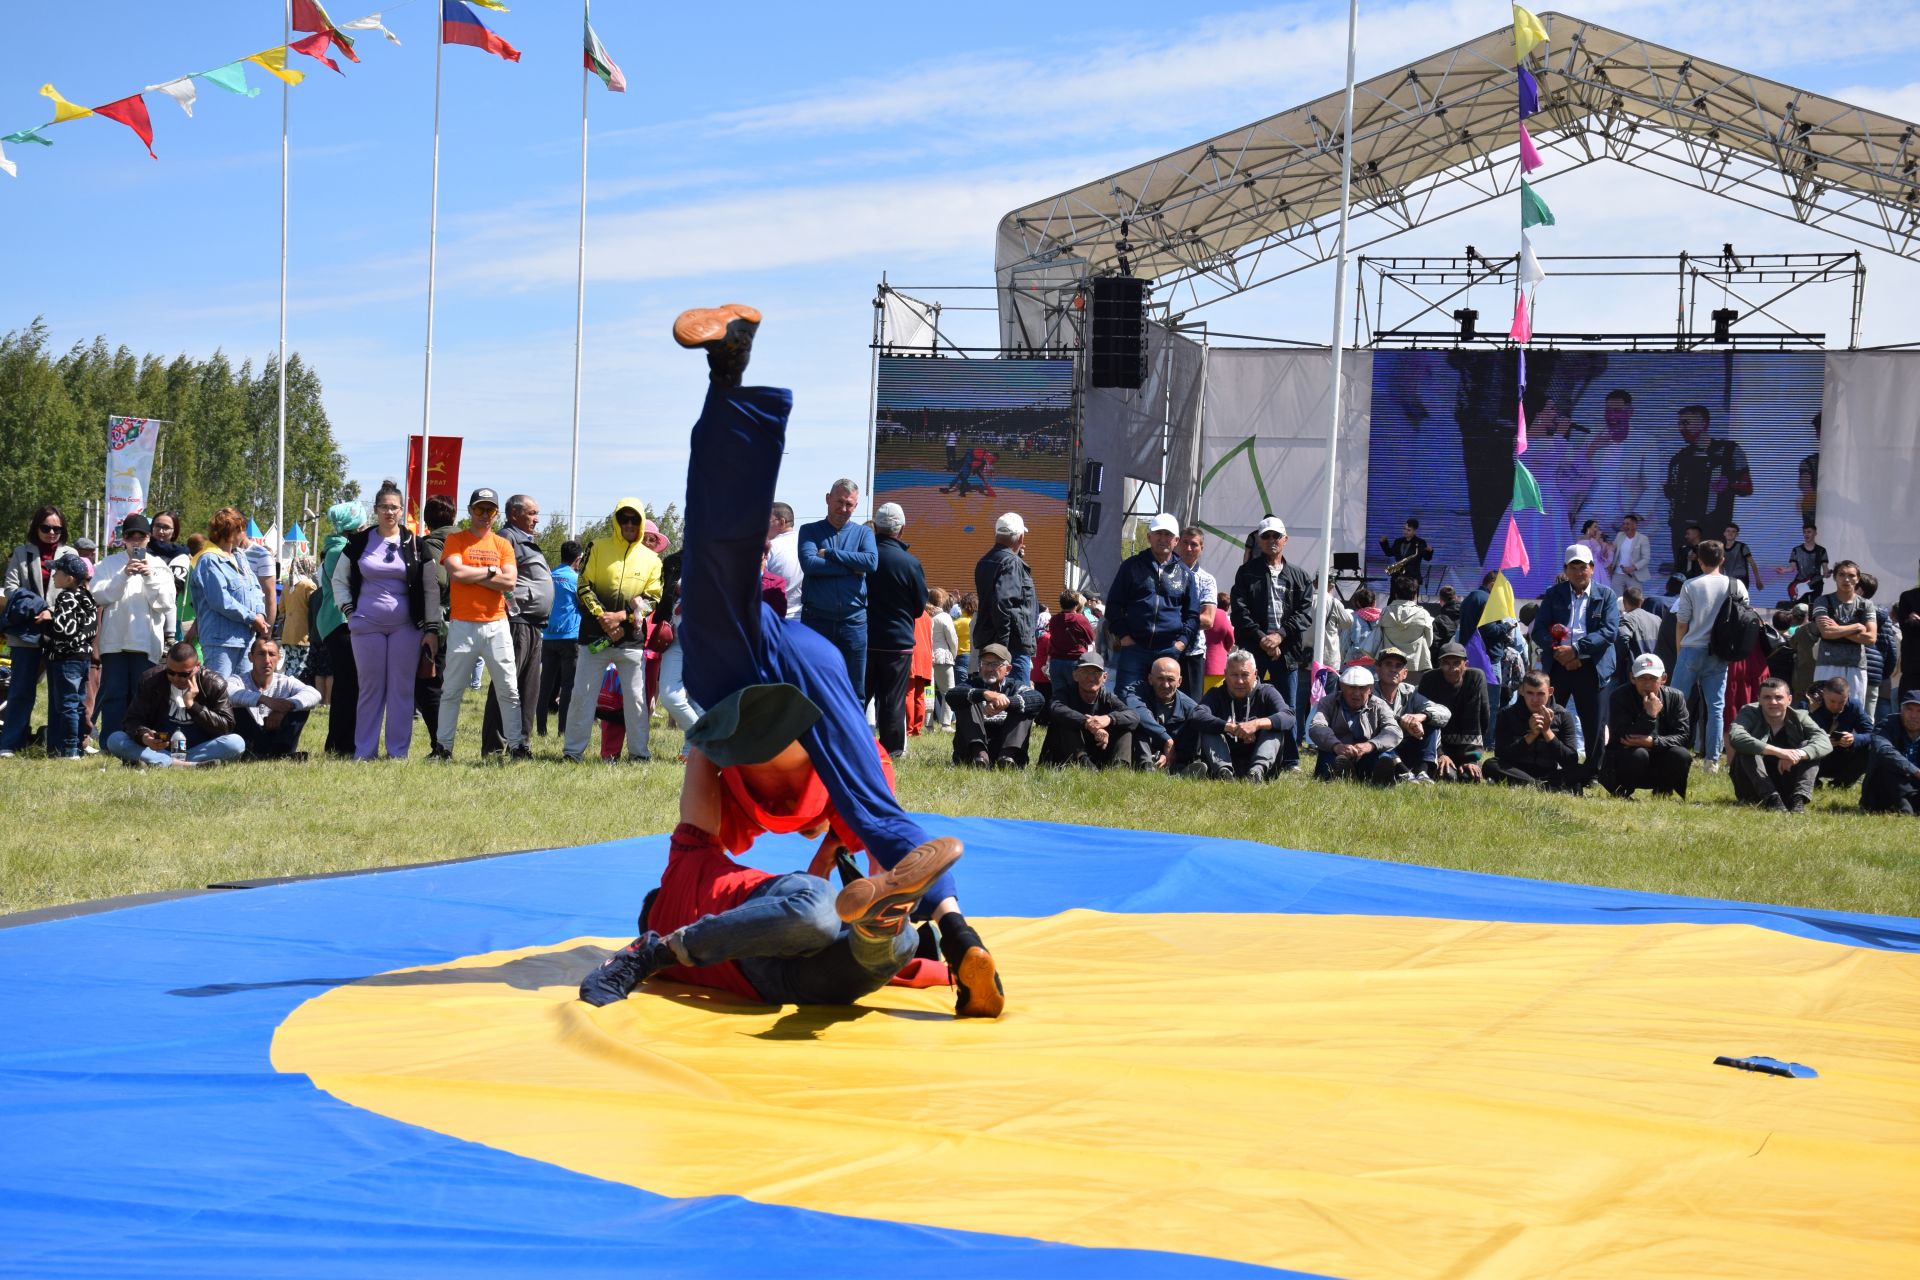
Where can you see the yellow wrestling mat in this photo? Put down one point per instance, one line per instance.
(1355, 1096)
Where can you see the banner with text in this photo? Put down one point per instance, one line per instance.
(130, 447)
(443, 471)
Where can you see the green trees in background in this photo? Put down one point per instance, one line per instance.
(554, 532)
(218, 449)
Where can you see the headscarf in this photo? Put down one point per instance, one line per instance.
(348, 517)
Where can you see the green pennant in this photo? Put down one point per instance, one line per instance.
(232, 78)
(29, 135)
(1526, 492)
(1533, 210)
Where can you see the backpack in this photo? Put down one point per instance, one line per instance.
(1737, 629)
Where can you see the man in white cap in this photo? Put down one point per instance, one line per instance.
(1356, 732)
(896, 596)
(1153, 608)
(1647, 741)
(1575, 630)
(1009, 609)
(1272, 603)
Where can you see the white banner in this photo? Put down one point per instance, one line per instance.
(130, 446)
(1866, 490)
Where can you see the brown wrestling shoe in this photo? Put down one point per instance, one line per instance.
(703, 326)
(880, 904)
(978, 990)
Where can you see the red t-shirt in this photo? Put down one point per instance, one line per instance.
(701, 880)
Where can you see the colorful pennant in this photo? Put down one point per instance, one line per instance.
(1522, 328)
(29, 135)
(232, 78)
(12, 169)
(1500, 601)
(131, 112)
(1526, 490)
(370, 23)
(1513, 551)
(1531, 272)
(181, 91)
(1520, 415)
(315, 46)
(1529, 93)
(1533, 210)
(1527, 32)
(63, 110)
(1529, 156)
(275, 62)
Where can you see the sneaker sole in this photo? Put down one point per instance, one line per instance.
(703, 325)
(981, 995)
(868, 900)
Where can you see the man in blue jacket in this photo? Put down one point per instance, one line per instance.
(1153, 608)
(1171, 723)
(1575, 630)
(1893, 775)
(836, 555)
(898, 590)
(1835, 709)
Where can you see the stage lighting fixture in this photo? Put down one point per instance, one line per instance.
(1723, 319)
(1466, 316)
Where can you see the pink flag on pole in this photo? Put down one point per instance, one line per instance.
(1513, 553)
(1520, 432)
(1529, 157)
(1522, 330)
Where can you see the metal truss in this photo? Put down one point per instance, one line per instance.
(1436, 137)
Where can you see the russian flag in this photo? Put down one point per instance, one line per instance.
(459, 25)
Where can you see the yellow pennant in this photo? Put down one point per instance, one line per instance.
(491, 4)
(275, 61)
(62, 109)
(1527, 32)
(1500, 602)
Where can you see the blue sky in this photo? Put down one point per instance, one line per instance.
(783, 155)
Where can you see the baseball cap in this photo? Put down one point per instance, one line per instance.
(890, 517)
(1648, 664)
(1911, 695)
(1164, 523)
(73, 566)
(135, 523)
(996, 651)
(481, 495)
(1010, 525)
(1357, 674)
(1272, 524)
(1091, 658)
(1391, 652)
(1578, 551)
(1452, 649)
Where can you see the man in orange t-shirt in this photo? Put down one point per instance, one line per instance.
(480, 576)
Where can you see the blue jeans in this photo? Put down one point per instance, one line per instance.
(228, 746)
(1021, 668)
(66, 705)
(1060, 672)
(793, 948)
(1131, 664)
(1294, 687)
(850, 638)
(119, 673)
(1691, 665)
(21, 695)
(1424, 750)
(225, 662)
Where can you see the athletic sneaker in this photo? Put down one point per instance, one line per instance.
(626, 969)
(977, 989)
(878, 905)
(439, 753)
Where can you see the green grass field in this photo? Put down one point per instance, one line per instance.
(95, 829)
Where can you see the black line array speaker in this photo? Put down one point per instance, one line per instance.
(1093, 478)
(1089, 519)
(1118, 346)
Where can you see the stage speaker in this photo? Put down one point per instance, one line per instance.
(1089, 519)
(1117, 348)
(1093, 478)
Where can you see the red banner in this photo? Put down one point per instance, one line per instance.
(443, 471)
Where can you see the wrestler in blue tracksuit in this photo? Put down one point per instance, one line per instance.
(733, 640)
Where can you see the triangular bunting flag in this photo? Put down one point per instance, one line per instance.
(1527, 32)
(232, 78)
(1522, 330)
(12, 169)
(1523, 369)
(1520, 430)
(1533, 210)
(181, 91)
(1529, 155)
(315, 46)
(495, 5)
(603, 66)
(1526, 491)
(1513, 551)
(1500, 601)
(371, 23)
(1531, 272)
(310, 16)
(131, 112)
(1529, 93)
(63, 110)
(29, 135)
(275, 62)
(1477, 658)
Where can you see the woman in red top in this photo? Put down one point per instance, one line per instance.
(1069, 635)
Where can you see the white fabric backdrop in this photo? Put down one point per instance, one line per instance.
(1263, 449)
(1126, 431)
(1869, 504)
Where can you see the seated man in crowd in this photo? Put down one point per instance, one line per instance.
(1420, 719)
(1250, 724)
(1893, 776)
(270, 707)
(1088, 723)
(179, 696)
(1171, 723)
(1834, 708)
(1647, 734)
(1776, 750)
(1462, 689)
(1533, 742)
(1356, 733)
(993, 715)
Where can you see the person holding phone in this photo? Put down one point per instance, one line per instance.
(135, 592)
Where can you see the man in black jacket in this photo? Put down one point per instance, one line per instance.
(1533, 741)
(1456, 685)
(1272, 610)
(1170, 723)
(1647, 734)
(896, 596)
(993, 714)
(1009, 610)
(183, 697)
(1251, 726)
(1088, 723)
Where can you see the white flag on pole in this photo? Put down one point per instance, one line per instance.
(1531, 272)
(12, 169)
(370, 23)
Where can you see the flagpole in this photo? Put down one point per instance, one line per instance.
(280, 450)
(1339, 312)
(579, 296)
(433, 239)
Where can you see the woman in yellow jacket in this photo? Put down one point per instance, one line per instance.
(619, 586)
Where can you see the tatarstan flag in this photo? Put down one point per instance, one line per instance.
(460, 25)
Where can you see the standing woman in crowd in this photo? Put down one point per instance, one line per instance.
(946, 647)
(963, 632)
(377, 586)
(332, 634)
(29, 568)
(134, 589)
(1220, 644)
(227, 601)
(1359, 640)
(1593, 540)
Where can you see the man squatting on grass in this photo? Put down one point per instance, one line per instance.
(783, 746)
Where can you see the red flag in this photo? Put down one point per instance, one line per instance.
(315, 46)
(443, 471)
(131, 112)
(309, 16)
(461, 25)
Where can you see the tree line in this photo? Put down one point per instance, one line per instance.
(216, 451)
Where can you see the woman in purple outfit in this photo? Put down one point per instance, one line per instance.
(378, 584)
